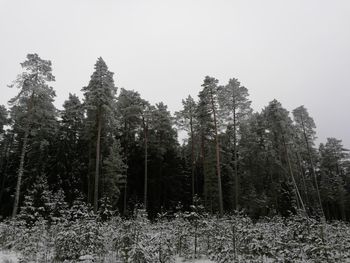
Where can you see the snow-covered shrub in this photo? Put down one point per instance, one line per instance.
(58, 208)
(221, 243)
(79, 238)
(230, 239)
(80, 211)
(11, 234)
(163, 241)
(196, 219)
(35, 243)
(337, 235)
(40, 202)
(67, 245)
(133, 240)
(110, 231)
(105, 210)
(139, 253)
(180, 227)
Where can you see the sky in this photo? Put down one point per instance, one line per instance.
(295, 51)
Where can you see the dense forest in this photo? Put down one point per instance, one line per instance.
(116, 151)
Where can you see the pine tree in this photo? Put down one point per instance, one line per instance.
(305, 132)
(70, 162)
(3, 118)
(205, 131)
(333, 156)
(210, 93)
(163, 142)
(279, 131)
(34, 91)
(5, 147)
(99, 102)
(146, 118)
(130, 108)
(114, 173)
(185, 119)
(234, 103)
(256, 158)
(38, 202)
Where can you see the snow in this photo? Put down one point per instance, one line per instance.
(8, 257)
(181, 260)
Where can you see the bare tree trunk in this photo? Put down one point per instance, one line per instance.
(293, 179)
(312, 168)
(221, 207)
(205, 186)
(235, 159)
(89, 182)
(146, 168)
(20, 171)
(126, 152)
(5, 168)
(97, 166)
(302, 173)
(23, 153)
(192, 158)
(125, 196)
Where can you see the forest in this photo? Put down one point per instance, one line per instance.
(113, 154)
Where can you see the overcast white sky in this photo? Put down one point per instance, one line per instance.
(296, 51)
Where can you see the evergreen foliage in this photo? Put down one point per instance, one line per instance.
(113, 151)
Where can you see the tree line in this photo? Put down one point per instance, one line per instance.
(115, 149)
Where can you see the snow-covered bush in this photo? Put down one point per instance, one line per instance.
(105, 211)
(133, 239)
(163, 241)
(196, 218)
(79, 238)
(222, 243)
(11, 233)
(194, 234)
(35, 242)
(180, 227)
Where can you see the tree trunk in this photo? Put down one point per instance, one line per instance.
(20, 171)
(4, 166)
(125, 196)
(205, 186)
(89, 181)
(312, 167)
(146, 167)
(23, 153)
(235, 159)
(126, 151)
(221, 207)
(293, 179)
(97, 166)
(302, 173)
(192, 158)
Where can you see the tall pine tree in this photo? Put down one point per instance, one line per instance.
(32, 103)
(99, 103)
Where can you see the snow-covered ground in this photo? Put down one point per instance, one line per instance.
(180, 260)
(8, 257)
(11, 257)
